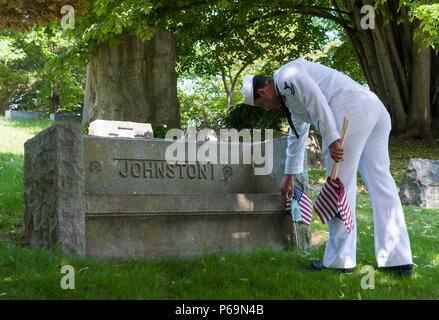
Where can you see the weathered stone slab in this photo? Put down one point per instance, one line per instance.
(65, 117)
(125, 226)
(120, 165)
(420, 186)
(136, 81)
(23, 115)
(127, 129)
(54, 203)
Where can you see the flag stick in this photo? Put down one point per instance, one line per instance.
(334, 171)
(295, 233)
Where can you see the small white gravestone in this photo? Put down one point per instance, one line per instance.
(433, 196)
(126, 129)
(23, 115)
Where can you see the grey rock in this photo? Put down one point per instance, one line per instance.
(315, 190)
(314, 153)
(420, 186)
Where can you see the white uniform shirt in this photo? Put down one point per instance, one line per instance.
(311, 91)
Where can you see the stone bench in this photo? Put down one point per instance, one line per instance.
(117, 198)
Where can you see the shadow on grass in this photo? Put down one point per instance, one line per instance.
(11, 198)
(34, 125)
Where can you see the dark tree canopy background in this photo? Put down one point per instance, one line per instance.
(398, 58)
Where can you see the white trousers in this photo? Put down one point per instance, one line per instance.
(366, 148)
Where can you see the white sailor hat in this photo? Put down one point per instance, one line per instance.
(247, 89)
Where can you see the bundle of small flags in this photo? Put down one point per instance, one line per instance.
(332, 202)
(300, 207)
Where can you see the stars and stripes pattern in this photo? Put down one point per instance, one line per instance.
(305, 205)
(332, 202)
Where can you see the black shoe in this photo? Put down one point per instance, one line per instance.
(318, 266)
(403, 270)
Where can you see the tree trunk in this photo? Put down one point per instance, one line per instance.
(229, 101)
(388, 56)
(231, 90)
(136, 82)
(228, 90)
(54, 97)
(4, 105)
(435, 93)
(420, 98)
(405, 80)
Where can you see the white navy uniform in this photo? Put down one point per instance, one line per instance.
(322, 96)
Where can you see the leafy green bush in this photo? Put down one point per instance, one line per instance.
(159, 132)
(37, 74)
(245, 116)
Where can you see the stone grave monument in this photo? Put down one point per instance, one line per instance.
(110, 196)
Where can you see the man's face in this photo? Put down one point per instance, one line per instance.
(266, 103)
(268, 98)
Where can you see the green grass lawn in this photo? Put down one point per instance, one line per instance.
(266, 273)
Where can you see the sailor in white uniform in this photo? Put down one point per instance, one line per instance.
(318, 95)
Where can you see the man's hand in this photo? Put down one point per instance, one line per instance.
(337, 151)
(287, 186)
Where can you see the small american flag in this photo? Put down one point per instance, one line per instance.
(332, 202)
(305, 206)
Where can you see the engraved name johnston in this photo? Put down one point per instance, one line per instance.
(160, 169)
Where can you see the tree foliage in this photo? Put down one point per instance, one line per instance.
(202, 102)
(23, 15)
(29, 77)
(223, 37)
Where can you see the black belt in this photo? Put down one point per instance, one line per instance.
(287, 113)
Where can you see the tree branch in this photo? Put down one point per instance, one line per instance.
(339, 13)
(323, 9)
(266, 16)
(237, 76)
(226, 86)
(321, 12)
(186, 7)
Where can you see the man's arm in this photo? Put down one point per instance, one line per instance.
(287, 186)
(308, 94)
(295, 153)
(295, 156)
